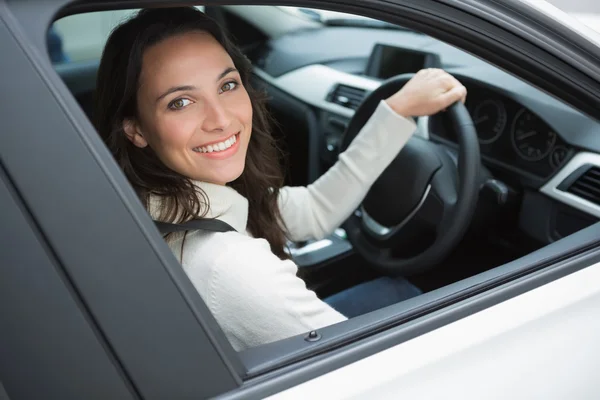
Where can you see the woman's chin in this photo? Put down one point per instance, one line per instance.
(224, 177)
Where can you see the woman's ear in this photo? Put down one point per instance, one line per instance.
(134, 133)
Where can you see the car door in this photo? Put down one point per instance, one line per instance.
(110, 296)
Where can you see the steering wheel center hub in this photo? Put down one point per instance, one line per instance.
(401, 188)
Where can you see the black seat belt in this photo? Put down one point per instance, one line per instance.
(212, 225)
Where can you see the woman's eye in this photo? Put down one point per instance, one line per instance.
(178, 104)
(228, 86)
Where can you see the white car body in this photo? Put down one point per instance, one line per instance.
(542, 344)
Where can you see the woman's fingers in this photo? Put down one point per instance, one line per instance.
(457, 93)
(428, 92)
(463, 99)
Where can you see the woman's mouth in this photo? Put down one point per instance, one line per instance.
(221, 149)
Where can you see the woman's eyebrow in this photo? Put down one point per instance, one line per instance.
(227, 71)
(175, 89)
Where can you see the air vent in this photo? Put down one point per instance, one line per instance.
(584, 183)
(347, 96)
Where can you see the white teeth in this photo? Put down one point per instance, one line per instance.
(217, 146)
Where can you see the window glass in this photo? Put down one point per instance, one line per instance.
(81, 37)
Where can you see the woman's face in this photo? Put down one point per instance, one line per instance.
(192, 109)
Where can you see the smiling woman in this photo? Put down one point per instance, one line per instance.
(193, 139)
(186, 101)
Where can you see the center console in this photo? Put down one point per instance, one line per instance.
(316, 252)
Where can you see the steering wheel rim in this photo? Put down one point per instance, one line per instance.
(457, 210)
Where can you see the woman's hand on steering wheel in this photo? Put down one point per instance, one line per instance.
(428, 92)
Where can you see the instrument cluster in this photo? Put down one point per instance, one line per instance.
(509, 133)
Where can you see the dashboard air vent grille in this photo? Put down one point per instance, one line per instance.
(587, 185)
(347, 96)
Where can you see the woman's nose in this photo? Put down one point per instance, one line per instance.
(216, 117)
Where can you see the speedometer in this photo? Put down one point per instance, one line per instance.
(489, 118)
(532, 139)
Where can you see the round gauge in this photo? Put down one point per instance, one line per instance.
(558, 155)
(489, 118)
(531, 137)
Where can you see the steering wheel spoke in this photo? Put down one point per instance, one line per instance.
(444, 197)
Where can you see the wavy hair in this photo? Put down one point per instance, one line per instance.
(115, 100)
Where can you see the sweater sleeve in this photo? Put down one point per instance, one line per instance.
(315, 211)
(257, 298)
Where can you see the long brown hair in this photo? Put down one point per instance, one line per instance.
(181, 200)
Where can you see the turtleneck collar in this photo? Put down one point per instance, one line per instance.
(225, 204)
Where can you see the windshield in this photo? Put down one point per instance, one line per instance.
(322, 15)
(338, 18)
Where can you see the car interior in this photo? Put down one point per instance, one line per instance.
(539, 178)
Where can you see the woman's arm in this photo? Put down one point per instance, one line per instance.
(316, 210)
(256, 297)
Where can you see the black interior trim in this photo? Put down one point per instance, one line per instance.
(564, 185)
(547, 220)
(285, 101)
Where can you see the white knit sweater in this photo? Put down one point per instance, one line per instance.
(255, 297)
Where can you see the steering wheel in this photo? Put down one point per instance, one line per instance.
(422, 204)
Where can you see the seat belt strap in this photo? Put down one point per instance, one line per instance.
(212, 225)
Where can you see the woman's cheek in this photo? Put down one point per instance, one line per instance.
(178, 128)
